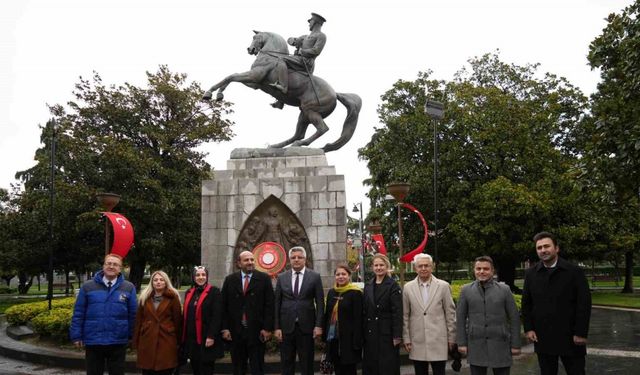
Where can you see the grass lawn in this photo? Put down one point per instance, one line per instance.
(615, 298)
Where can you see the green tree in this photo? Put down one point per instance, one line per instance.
(142, 144)
(506, 152)
(613, 146)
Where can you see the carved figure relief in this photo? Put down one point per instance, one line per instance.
(273, 221)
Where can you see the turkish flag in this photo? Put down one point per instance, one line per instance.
(379, 241)
(122, 234)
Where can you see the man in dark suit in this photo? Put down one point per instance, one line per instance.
(247, 300)
(556, 308)
(299, 310)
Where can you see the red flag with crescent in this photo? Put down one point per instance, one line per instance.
(122, 233)
(408, 257)
(378, 239)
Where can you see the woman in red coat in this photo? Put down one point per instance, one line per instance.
(158, 326)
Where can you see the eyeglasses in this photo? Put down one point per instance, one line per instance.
(112, 264)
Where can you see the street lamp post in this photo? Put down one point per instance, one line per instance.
(399, 191)
(108, 201)
(436, 111)
(52, 194)
(361, 252)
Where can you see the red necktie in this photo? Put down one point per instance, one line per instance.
(245, 286)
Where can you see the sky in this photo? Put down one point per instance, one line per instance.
(46, 45)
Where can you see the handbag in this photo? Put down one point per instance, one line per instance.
(326, 366)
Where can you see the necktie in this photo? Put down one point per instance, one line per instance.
(109, 285)
(296, 285)
(245, 286)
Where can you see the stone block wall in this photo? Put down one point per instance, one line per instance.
(304, 183)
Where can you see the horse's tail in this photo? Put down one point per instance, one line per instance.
(353, 103)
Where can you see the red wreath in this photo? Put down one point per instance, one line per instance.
(271, 257)
(408, 257)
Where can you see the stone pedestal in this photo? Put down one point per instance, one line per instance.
(301, 179)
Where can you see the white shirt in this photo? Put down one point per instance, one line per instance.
(106, 281)
(424, 290)
(293, 278)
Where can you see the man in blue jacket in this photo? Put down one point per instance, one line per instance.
(103, 318)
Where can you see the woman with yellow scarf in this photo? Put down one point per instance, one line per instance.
(342, 329)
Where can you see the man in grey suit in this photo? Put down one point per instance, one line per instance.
(299, 300)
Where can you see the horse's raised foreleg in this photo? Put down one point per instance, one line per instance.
(316, 119)
(251, 76)
(301, 129)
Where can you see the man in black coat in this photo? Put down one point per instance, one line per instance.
(556, 307)
(247, 298)
(299, 312)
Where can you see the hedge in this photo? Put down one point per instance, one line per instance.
(54, 323)
(22, 314)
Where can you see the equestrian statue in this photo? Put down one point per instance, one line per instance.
(290, 80)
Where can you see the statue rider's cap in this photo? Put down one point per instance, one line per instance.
(317, 17)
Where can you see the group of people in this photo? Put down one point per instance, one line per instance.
(367, 326)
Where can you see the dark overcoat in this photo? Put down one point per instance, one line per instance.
(349, 324)
(157, 333)
(257, 304)
(556, 304)
(382, 322)
(209, 325)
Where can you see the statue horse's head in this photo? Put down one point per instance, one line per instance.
(267, 41)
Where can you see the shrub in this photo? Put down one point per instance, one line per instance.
(22, 314)
(54, 323)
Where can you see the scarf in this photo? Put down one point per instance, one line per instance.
(333, 323)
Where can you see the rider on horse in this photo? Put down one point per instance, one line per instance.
(308, 47)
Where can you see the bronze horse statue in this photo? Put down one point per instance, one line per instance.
(313, 95)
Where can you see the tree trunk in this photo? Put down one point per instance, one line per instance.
(136, 272)
(628, 272)
(506, 268)
(7, 279)
(66, 282)
(24, 282)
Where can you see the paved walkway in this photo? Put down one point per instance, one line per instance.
(614, 348)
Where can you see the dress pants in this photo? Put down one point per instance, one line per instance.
(573, 365)
(112, 355)
(422, 367)
(241, 350)
(481, 370)
(202, 368)
(300, 343)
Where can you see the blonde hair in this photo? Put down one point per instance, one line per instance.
(148, 290)
(383, 258)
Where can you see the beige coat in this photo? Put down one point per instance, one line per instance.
(429, 328)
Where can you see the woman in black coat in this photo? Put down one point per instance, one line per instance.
(201, 338)
(342, 330)
(383, 321)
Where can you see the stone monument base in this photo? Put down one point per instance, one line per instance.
(299, 178)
